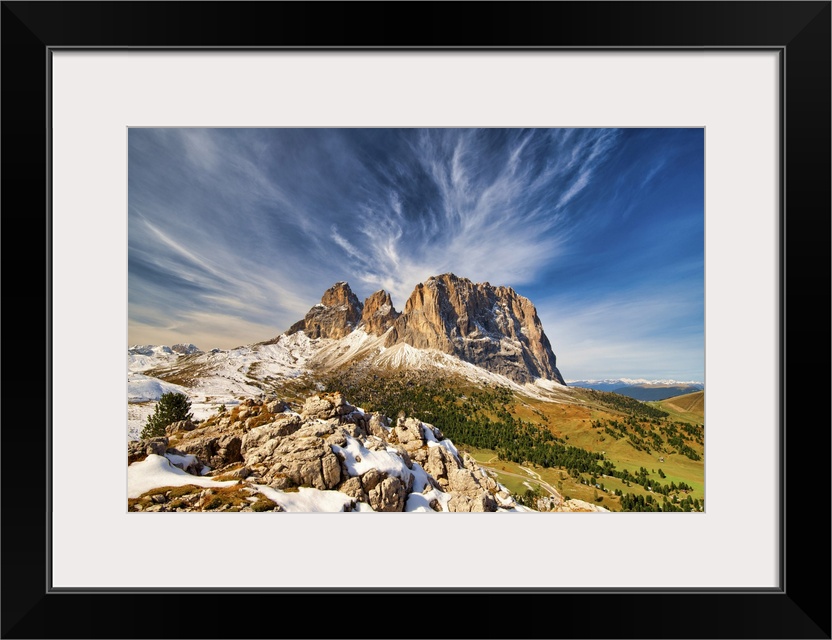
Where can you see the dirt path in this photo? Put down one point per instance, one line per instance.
(535, 478)
(534, 474)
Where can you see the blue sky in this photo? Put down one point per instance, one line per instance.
(235, 233)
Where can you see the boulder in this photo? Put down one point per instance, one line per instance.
(215, 451)
(378, 425)
(136, 451)
(352, 487)
(324, 407)
(464, 482)
(409, 433)
(388, 495)
(466, 504)
(439, 463)
(302, 458)
(181, 425)
(276, 406)
(371, 478)
(283, 425)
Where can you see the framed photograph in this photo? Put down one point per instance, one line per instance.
(440, 393)
(285, 173)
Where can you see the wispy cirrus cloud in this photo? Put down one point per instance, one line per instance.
(487, 204)
(237, 232)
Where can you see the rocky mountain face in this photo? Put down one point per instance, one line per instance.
(262, 454)
(331, 456)
(337, 315)
(491, 327)
(378, 315)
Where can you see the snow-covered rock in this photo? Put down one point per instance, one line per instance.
(330, 457)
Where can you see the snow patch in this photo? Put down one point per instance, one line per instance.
(420, 478)
(137, 415)
(157, 471)
(550, 385)
(144, 357)
(307, 499)
(432, 440)
(517, 509)
(182, 462)
(355, 345)
(142, 388)
(359, 460)
(420, 502)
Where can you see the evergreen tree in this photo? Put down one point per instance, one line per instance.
(172, 407)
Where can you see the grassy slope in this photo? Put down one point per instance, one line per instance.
(572, 421)
(507, 473)
(687, 408)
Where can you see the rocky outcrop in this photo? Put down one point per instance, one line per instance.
(408, 433)
(215, 452)
(378, 314)
(329, 446)
(138, 450)
(337, 315)
(575, 505)
(465, 504)
(302, 459)
(181, 425)
(439, 463)
(218, 441)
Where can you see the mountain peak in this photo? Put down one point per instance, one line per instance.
(447, 276)
(340, 294)
(378, 314)
(491, 327)
(337, 315)
(449, 279)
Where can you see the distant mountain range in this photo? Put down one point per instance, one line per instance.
(640, 389)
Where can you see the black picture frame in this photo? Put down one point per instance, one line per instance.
(799, 31)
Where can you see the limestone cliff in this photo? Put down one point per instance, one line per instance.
(491, 327)
(378, 315)
(337, 315)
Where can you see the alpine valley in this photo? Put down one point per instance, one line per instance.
(454, 404)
